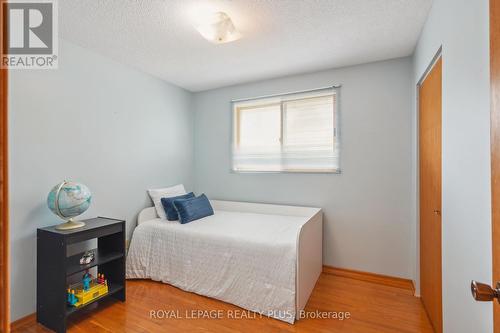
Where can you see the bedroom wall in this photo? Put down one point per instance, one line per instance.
(93, 120)
(463, 31)
(367, 208)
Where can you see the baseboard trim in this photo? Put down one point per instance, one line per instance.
(385, 280)
(29, 320)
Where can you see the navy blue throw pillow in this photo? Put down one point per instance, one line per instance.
(168, 205)
(193, 209)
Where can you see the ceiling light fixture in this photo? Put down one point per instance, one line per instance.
(219, 29)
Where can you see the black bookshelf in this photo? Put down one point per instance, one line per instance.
(54, 267)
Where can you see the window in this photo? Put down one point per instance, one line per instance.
(288, 133)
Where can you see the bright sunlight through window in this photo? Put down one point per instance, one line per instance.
(287, 133)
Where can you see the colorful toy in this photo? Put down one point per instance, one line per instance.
(87, 278)
(101, 280)
(71, 297)
(87, 290)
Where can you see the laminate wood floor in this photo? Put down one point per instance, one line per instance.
(372, 307)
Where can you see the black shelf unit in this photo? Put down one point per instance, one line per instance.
(54, 267)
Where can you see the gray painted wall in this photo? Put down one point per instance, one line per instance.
(367, 208)
(463, 31)
(113, 128)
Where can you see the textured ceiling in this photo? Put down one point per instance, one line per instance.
(280, 37)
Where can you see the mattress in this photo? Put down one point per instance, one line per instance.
(246, 259)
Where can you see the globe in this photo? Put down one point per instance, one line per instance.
(68, 200)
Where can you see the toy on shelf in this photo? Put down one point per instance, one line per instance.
(87, 258)
(71, 297)
(101, 279)
(88, 290)
(87, 278)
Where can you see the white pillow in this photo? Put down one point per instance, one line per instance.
(168, 192)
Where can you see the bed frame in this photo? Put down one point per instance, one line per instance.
(309, 240)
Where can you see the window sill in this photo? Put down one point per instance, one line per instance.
(326, 171)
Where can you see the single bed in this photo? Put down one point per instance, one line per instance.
(264, 258)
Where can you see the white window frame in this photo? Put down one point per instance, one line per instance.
(336, 129)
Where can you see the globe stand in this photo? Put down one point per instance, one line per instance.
(71, 224)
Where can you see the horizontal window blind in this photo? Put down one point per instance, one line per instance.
(288, 133)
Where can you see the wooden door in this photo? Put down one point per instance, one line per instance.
(4, 209)
(4, 203)
(430, 194)
(495, 147)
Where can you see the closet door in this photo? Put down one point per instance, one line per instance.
(430, 194)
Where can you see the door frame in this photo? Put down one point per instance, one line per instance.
(4, 189)
(437, 56)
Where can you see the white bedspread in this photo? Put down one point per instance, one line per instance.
(246, 259)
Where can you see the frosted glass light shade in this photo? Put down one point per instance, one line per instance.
(219, 29)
